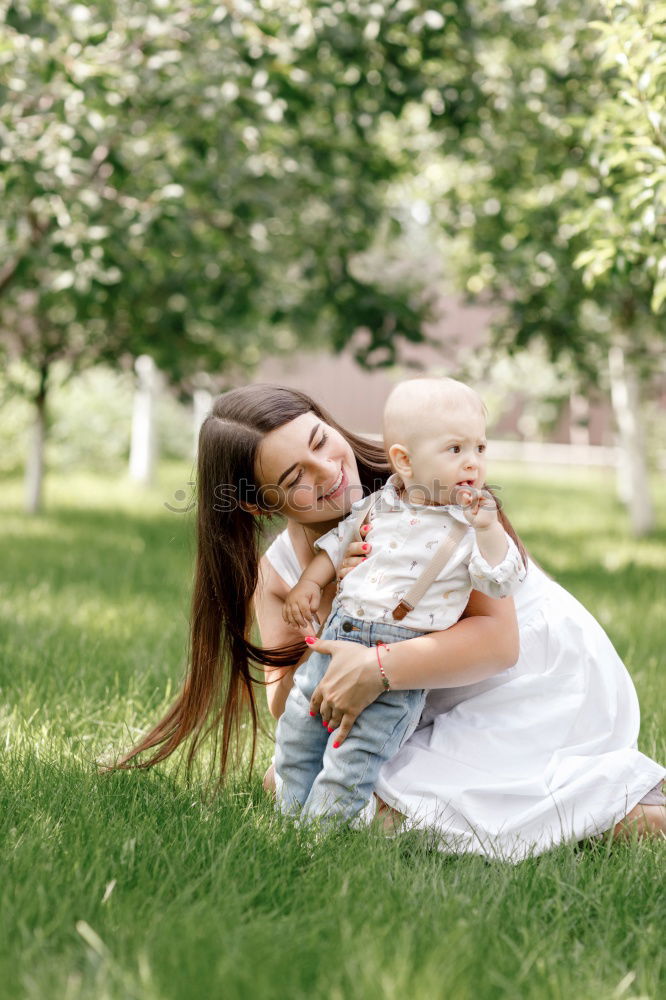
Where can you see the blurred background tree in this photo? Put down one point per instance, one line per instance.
(555, 202)
(211, 183)
(194, 181)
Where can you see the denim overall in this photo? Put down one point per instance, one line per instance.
(318, 780)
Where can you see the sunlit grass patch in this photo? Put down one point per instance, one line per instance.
(145, 885)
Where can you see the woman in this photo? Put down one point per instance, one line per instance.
(514, 761)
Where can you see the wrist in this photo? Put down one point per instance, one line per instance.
(372, 672)
(485, 529)
(379, 648)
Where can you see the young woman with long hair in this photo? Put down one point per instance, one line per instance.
(514, 751)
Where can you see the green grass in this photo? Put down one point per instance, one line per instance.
(137, 885)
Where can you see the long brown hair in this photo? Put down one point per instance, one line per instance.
(219, 684)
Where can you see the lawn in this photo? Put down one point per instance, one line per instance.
(138, 885)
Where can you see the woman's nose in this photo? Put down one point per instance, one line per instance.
(321, 468)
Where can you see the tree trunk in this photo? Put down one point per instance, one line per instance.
(579, 419)
(202, 402)
(143, 444)
(34, 469)
(632, 472)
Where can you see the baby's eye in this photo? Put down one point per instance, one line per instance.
(455, 448)
(482, 448)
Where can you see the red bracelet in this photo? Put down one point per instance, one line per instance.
(385, 680)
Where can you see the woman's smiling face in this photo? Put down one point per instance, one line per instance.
(307, 471)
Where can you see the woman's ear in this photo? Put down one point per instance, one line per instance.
(251, 508)
(400, 460)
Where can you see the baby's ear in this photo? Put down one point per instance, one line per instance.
(400, 460)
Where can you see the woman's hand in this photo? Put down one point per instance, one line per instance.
(356, 553)
(351, 683)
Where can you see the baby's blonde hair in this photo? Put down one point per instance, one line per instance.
(410, 403)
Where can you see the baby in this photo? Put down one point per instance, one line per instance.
(436, 536)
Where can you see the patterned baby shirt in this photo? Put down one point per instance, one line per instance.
(404, 539)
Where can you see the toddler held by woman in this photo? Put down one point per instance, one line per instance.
(436, 536)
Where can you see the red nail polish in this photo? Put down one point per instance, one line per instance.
(310, 639)
(331, 728)
(324, 724)
(313, 713)
(336, 745)
(365, 547)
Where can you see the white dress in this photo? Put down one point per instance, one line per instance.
(541, 753)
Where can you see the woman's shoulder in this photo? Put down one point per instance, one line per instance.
(281, 556)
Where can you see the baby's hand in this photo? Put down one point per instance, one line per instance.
(301, 603)
(478, 506)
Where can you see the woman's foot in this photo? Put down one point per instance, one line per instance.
(389, 819)
(644, 821)
(269, 780)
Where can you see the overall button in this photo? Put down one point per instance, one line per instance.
(347, 626)
(360, 612)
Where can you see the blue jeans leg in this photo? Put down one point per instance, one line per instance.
(300, 739)
(348, 775)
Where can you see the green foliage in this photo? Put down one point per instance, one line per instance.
(626, 139)
(135, 886)
(552, 188)
(194, 181)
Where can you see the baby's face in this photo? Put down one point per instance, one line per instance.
(450, 453)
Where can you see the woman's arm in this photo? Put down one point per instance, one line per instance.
(483, 643)
(480, 645)
(268, 602)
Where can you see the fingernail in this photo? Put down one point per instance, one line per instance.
(365, 547)
(324, 724)
(310, 639)
(330, 728)
(336, 745)
(313, 713)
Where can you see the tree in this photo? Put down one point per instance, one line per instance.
(195, 182)
(556, 200)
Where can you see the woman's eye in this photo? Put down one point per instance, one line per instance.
(315, 447)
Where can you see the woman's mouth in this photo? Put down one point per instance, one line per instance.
(336, 488)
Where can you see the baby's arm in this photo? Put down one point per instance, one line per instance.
(302, 601)
(496, 566)
(493, 543)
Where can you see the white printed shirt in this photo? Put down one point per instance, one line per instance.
(404, 539)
